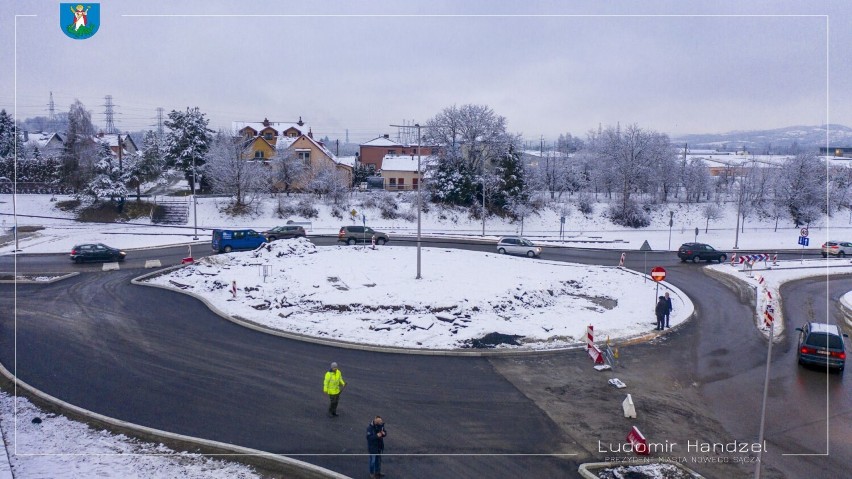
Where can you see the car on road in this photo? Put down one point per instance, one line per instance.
(836, 248)
(225, 241)
(518, 245)
(700, 252)
(284, 232)
(822, 344)
(96, 252)
(360, 234)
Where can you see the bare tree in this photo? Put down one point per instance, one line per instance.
(289, 170)
(711, 211)
(229, 173)
(328, 180)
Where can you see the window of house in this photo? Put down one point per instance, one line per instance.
(305, 156)
(391, 183)
(372, 168)
(400, 183)
(267, 136)
(258, 155)
(414, 183)
(391, 152)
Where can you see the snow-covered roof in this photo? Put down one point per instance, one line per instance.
(381, 141)
(277, 125)
(41, 139)
(545, 154)
(284, 142)
(347, 160)
(404, 163)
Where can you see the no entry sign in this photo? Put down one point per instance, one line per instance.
(658, 273)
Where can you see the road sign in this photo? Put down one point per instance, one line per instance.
(804, 231)
(804, 240)
(658, 273)
(645, 246)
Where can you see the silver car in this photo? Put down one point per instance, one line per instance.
(516, 245)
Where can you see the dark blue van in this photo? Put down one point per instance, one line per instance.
(225, 241)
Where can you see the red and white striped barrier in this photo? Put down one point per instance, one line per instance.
(638, 441)
(374, 241)
(594, 352)
(733, 258)
(775, 259)
(621, 262)
(234, 288)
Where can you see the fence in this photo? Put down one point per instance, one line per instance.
(34, 188)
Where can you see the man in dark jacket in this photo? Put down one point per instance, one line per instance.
(661, 310)
(669, 309)
(375, 445)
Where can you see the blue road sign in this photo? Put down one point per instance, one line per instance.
(804, 240)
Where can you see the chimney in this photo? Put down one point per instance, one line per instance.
(310, 133)
(266, 122)
(300, 122)
(387, 136)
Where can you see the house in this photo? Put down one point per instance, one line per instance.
(400, 172)
(48, 144)
(264, 140)
(128, 146)
(373, 152)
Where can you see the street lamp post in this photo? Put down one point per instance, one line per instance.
(194, 203)
(419, 194)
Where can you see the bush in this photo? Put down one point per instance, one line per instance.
(632, 215)
(336, 213)
(68, 205)
(305, 208)
(584, 204)
(388, 207)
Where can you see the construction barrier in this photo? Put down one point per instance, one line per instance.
(629, 407)
(638, 441)
(621, 262)
(594, 352)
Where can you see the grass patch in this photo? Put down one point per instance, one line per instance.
(108, 212)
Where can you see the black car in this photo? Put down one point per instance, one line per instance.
(700, 252)
(96, 252)
(360, 234)
(284, 232)
(821, 344)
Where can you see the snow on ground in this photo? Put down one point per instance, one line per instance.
(371, 296)
(57, 447)
(773, 276)
(61, 232)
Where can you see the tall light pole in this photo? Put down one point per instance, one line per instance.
(419, 195)
(194, 203)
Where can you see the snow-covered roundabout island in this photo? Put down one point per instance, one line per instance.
(465, 299)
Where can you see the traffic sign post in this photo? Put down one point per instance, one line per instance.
(658, 273)
(804, 241)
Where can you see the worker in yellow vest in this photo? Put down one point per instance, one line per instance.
(333, 385)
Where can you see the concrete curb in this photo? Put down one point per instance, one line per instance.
(58, 277)
(141, 281)
(586, 473)
(269, 462)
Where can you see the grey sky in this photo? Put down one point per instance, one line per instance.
(675, 70)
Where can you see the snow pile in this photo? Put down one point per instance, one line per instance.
(46, 445)
(371, 296)
(645, 471)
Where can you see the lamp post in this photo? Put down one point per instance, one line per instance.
(419, 194)
(194, 203)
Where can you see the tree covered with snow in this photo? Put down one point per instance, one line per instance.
(10, 140)
(511, 184)
(109, 180)
(695, 179)
(231, 174)
(328, 180)
(801, 187)
(153, 156)
(79, 147)
(471, 138)
(188, 141)
(289, 169)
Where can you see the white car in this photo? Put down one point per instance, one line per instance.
(516, 245)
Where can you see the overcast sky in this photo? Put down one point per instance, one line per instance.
(549, 67)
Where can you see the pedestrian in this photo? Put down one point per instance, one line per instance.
(333, 385)
(660, 311)
(376, 445)
(669, 309)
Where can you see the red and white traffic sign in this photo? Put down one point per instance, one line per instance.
(658, 273)
(804, 232)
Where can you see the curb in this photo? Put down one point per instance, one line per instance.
(140, 281)
(276, 463)
(58, 277)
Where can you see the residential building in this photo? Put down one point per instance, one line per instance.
(48, 144)
(373, 152)
(400, 172)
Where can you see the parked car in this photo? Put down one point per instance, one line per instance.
(96, 252)
(517, 245)
(822, 344)
(225, 241)
(361, 234)
(836, 248)
(284, 232)
(700, 252)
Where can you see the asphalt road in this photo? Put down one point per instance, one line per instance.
(162, 360)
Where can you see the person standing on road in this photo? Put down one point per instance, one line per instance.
(669, 310)
(376, 445)
(333, 385)
(660, 310)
